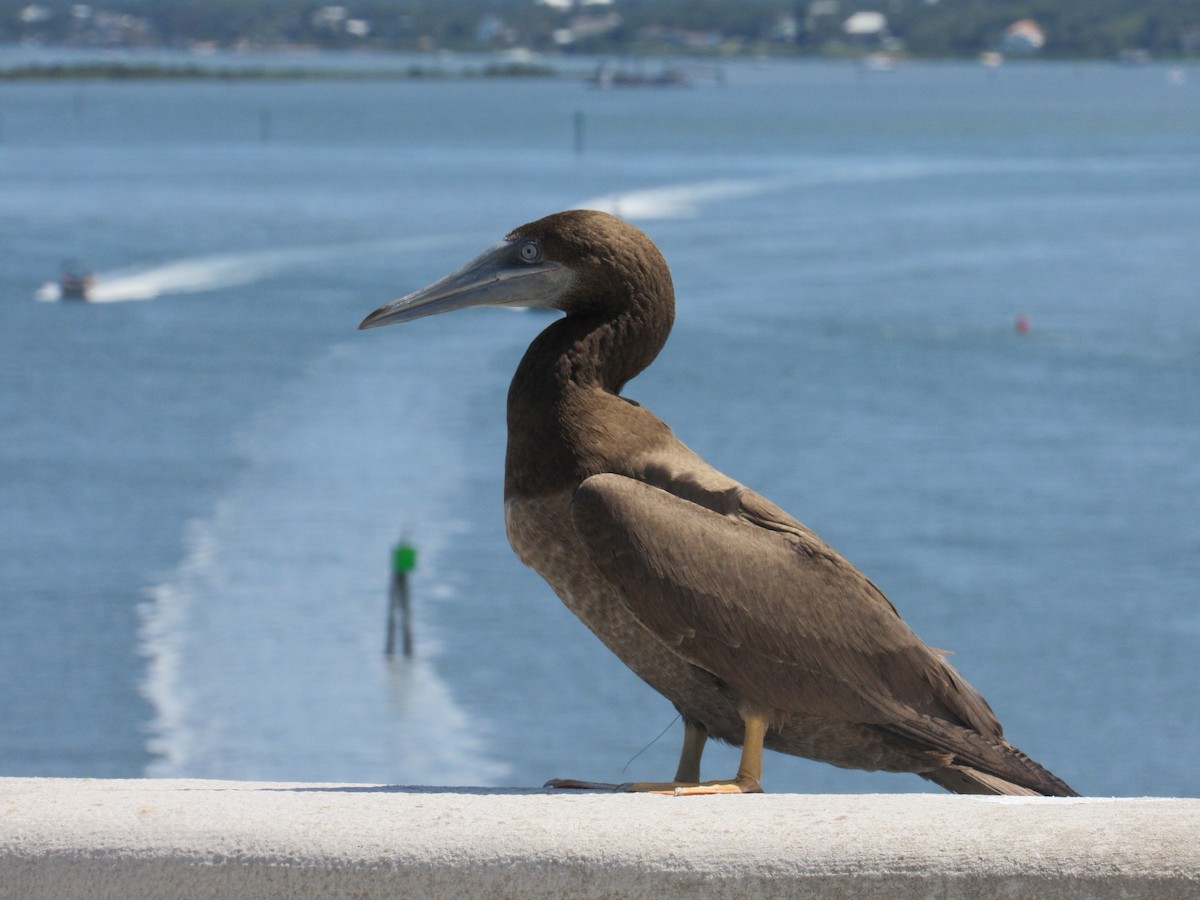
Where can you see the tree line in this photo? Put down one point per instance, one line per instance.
(942, 29)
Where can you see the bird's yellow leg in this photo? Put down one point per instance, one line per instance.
(694, 738)
(747, 781)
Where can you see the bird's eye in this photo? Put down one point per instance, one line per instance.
(531, 252)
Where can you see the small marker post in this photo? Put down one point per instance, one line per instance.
(404, 560)
(580, 128)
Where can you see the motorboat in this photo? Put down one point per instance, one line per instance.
(77, 281)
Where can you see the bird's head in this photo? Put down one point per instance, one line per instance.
(577, 261)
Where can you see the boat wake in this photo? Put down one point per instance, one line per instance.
(678, 201)
(212, 273)
(686, 200)
(185, 276)
(264, 647)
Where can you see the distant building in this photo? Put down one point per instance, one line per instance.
(336, 19)
(584, 27)
(1023, 38)
(568, 5)
(33, 14)
(330, 17)
(866, 25)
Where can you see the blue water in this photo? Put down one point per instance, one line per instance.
(201, 477)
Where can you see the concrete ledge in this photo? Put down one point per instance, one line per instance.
(68, 838)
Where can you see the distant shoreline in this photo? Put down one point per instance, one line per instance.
(124, 71)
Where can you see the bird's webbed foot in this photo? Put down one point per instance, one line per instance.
(742, 784)
(574, 784)
(747, 781)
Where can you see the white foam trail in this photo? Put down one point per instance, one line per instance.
(189, 276)
(211, 273)
(680, 201)
(185, 276)
(265, 646)
(686, 200)
(163, 620)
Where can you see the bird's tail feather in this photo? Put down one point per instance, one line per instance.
(965, 780)
(981, 765)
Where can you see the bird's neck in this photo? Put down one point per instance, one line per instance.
(566, 419)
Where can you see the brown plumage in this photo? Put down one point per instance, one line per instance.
(757, 631)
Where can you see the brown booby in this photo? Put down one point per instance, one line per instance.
(757, 631)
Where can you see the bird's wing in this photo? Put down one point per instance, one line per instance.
(740, 589)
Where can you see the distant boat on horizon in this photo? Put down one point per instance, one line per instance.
(610, 76)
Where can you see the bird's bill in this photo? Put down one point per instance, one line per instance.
(498, 277)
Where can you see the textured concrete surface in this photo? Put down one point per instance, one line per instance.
(68, 838)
